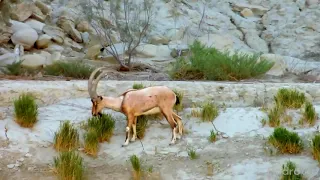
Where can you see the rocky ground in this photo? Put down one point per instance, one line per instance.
(286, 32)
(242, 155)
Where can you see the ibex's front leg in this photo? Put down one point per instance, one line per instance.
(130, 119)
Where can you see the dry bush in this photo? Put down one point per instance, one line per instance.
(91, 142)
(316, 147)
(67, 138)
(26, 110)
(286, 141)
(69, 166)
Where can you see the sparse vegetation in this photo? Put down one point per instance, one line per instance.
(142, 123)
(290, 98)
(211, 64)
(91, 142)
(13, 69)
(67, 137)
(136, 165)
(309, 113)
(69, 166)
(316, 147)
(286, 141)
(104, 126)
(209, 111)
(192, 154)
(138, 86)
(290, 172)
(179, 94)
(74, 69)
(274, 116)
(213, 136)
(26, 110)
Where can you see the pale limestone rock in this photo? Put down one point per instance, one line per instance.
(219, 41)
(56, 33)
(5, 34)
(45, 9)
(246, 12)
(17, 26)
(43, 41)
(35, 60)
(83, 26)
(93, 51)
(22, 11)
(25, 37)
(36, 25)
(38, 15)
(156, 40)
(150, 50)
(255, 42)
(257, 10)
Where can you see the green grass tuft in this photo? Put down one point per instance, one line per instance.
(290, 172)
(286, 141)
(138, 86)
(211, 64)
(104, 126)
(25, 110)
(309, 113)
(136, 165)
(209, 111)
(142, 123)
(13, 69)
(73, 69)
(67, 138)
(290, 98)
(274, 116)
(192, 154)
(213, 136)
(69, 166)
(91, 142)
(316, 147)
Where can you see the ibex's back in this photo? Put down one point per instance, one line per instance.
(148, 100)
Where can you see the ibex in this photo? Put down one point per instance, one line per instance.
(133, 103)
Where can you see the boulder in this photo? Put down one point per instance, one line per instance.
(54, 48)
(70, 43)
(93, 51)
(5, 34)
(46, 10)
(56, 33)
(257, 10)
(246, 12)
(17, 26)
(22, 11)
(83, 26)
(38, 15)
(43, 41)
(36, 25)
(156, 40)
(66, 22)
(35, 60)
(25, 37)
(150, 50)
(56, 56)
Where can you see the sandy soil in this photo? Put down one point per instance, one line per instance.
(29, 153)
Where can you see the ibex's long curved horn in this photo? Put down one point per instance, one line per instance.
(92, 85)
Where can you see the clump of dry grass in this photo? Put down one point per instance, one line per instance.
(69, 166)
(290, 98)
(104, 126)
(91, 142)
(309, 113)
(26, 110)
(316, 147)
(274, 116)
(67, 138)
(209, 112)
(136, 165)
(178, 107)
(289, 172)
(286, 141)
(142, 123)
(213, 136)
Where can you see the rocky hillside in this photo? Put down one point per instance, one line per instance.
(287, 31)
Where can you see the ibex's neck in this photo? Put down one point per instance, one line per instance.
(113, 103)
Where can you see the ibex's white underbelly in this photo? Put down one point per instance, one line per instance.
(151, 111)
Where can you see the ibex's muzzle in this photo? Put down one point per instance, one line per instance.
(99, 114)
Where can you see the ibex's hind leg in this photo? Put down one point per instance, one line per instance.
(173, 125)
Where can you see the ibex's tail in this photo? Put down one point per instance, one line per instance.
(180, 124)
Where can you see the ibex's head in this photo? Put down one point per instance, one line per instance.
(97, 103)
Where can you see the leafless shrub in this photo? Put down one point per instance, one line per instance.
(130, 18)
